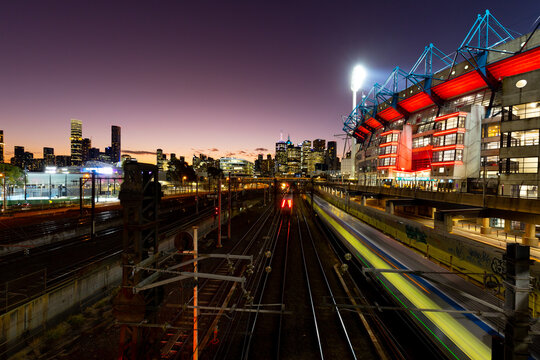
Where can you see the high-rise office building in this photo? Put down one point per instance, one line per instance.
(18, 157)
(86, 145)
(281, 157)
(306, 147)
(160, 159)
(1, 146)
(115, 144)
(76, 142)
(93, 154)
(331, 155)
(319, 144)
(48, 156)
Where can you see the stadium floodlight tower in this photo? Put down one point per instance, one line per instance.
(358, 76)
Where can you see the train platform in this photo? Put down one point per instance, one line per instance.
(498, 237)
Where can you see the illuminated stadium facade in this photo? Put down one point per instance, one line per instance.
(474, 120)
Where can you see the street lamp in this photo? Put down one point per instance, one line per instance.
(357, 79)
(183, 181)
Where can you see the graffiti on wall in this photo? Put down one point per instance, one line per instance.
(416, 234)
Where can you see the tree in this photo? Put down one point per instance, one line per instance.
(179, 169)
(14, 175)
(214, 172)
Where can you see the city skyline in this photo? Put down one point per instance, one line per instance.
(228, 97)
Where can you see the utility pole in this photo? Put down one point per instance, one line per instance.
(195, 297)
(230, 210)
(196, 194)
(312, 186)
(93, 213)
(219, 214)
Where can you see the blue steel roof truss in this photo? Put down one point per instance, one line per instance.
(474, 49)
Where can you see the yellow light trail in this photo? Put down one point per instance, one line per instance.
(457, 333)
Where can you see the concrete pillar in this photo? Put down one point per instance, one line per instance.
(517, 336)
(485, 229)
(443, 221)
(433, 210)
(363, 201)
(390, 207)
(507, 225)
(529, 236)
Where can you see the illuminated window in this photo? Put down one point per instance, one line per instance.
(521, 138)
(490, 160)
(421, 142)
(451, 123)
(522, 111)
(526, 165)
(490, 145)
(493, 130)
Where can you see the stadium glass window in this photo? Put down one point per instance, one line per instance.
(449, 155)
(522, 111)
(528, 165)
(459, 155)
(521, 138)
(490, 145)
(493, 130)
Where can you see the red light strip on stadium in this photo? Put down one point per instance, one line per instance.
(387, 155)
(447, 163)
(448, 116)
(386, 167)
(423, 148)
(448, 147)
(449, 131)
(389, 132)
(389, 143)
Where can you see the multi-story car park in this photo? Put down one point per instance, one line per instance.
(470, 126)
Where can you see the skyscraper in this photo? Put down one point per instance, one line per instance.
(331, 155)
(159, 159)
(1, 146)
(281, 157)
(18, 157)
(306, 147)
(86, 145)
(76, 142)
(319, 144)
(48, 156)
(115, 144)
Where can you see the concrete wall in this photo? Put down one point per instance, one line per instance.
(57, 237)
(33, 316)
(72, 296)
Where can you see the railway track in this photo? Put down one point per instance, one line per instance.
(214, 296)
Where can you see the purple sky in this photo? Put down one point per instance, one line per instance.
(197, 76)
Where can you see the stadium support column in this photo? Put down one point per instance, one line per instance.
(529, 237)
(517, 288)
(485, 229)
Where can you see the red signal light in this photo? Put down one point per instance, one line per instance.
(283, 203)
(289, 202)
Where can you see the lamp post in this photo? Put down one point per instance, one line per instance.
(357, 79)
(183, 181)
